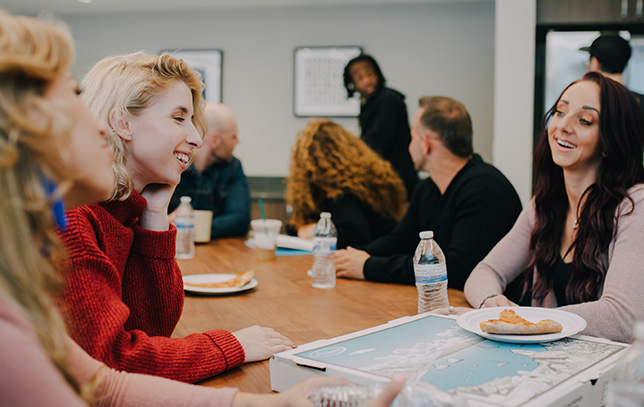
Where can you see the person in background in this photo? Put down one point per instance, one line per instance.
(50, 145)
(124, 292)
(334, 171)
(383, 116)
(579, 243)
(216, 181)
(468, 204)
(609, 55)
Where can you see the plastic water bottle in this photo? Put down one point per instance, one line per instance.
(185, 223)
(325, 239)
(627, 386)
(353, 396)
(430, 271)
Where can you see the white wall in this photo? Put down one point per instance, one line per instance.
(514, 92)
(426, 49)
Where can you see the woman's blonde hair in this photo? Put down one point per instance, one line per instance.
(33, 134)
(328, 162)
(129, 84)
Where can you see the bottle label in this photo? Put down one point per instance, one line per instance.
(430, 273)
(184, 222)
(327, 244)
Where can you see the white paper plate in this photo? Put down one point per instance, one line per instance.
(214, 278)
(571, 323)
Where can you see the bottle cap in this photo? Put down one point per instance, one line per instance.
(325, 215)
(638, 330)
(186, 199)
(427, 234)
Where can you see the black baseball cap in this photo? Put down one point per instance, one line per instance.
(612, 52)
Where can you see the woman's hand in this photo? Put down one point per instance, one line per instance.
(451, 310)
(261, 343)
(155, 214)
(172, 216)
(388, 393)
(306, 231)
(349, 263)
(298, 395)
(499, 300)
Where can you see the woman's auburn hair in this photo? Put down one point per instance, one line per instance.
(328, 162)
(621, 127)
(129, 84)
(34, 132)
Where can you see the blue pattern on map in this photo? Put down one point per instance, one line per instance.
(485, 361)
(453, 357)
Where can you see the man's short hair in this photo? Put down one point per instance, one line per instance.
(612, 52)
(450, 119)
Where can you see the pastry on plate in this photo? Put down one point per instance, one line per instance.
(239, 280)
(509, 323)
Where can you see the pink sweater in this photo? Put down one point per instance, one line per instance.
(621, 301)
(124, 297)
(29, 378)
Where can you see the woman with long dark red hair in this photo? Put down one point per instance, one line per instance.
(579, 243)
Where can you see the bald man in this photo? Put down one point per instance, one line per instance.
(216, 181)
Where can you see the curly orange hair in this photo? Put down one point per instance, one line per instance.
(327, 162)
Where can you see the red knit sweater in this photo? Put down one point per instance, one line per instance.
(124, 297)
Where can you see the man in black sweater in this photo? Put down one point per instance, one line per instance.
(469, 204)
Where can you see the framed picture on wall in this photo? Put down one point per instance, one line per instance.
(209, 63)
(319, 87)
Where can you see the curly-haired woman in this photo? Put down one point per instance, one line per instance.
(334, 171)
(580, 241)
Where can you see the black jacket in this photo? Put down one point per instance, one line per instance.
(357, 223)
(385, 128)
(478, 208)
(640, 100)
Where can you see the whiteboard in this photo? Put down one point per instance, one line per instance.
(319, 87)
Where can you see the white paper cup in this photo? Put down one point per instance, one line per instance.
(265, 236)
(203, 221)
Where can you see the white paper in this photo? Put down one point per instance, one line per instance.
(293, 242)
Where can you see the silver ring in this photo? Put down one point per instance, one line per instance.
(451, 309)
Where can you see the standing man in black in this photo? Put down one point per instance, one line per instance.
(383, 116)
(469, 204)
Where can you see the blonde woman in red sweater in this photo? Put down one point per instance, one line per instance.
(51, 145)
(125, 294)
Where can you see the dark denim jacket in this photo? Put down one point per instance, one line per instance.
(222, 189)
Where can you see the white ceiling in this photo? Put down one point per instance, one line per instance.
(124, 6)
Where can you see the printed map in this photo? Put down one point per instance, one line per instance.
(436, 353)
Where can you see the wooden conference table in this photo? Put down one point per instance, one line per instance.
(285, 301)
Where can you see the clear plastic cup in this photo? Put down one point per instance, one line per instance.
(265, 236)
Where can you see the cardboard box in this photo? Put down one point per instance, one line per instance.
(437, 355)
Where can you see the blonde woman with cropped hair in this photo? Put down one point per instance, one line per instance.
(124, 85)
(50, 145)
(122, 278)
(334, 171)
